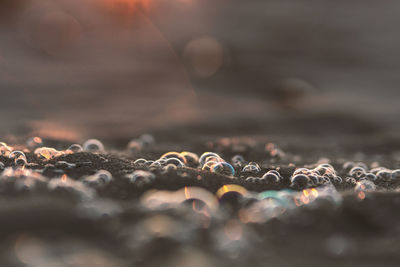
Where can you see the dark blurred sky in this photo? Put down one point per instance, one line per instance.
(89, 67)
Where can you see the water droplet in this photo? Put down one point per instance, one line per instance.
(357, 172)
(75, 148)
(384, 175)
(252, 167)
(16, 154)
(271, 178)
(174, 155)
(300, 181)
(206, 155)
(223, 168)
(192, 159)
(238, 161)
(93, 145)
(140, 161)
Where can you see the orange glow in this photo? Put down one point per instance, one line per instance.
(361, 195)
(314, 192)
(231, 188)
(64, 178)
(187, 194)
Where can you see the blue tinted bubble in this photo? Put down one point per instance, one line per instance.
(223, 168)
(238, 161)
(16, 154)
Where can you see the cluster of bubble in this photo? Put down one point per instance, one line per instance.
(322, 174)
(360, 172)
(251, 207)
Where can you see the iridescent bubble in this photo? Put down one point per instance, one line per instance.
(208, 165)
(93, 145)
(238, 161)
(16, 154)
(192, 159)
(46, 153)
(34, 142)
(231, 193)
(205, 155)
(223, 168)
(75, 148)
(174, 155)
(252, 167)
(384, 175)
(271, 178)
(300, 181)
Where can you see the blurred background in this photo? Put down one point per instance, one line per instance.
(72, 69)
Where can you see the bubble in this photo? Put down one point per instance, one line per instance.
(140, 161)
(231, 193)
(100, 178)
(205, 155)
(384, 175)
(365, 186)
(357, 172)
(176, 162)
(238, 161)
(20, 161)
(156, 164)
(16, 154)
(169, 168)
(223, 168)
(162, 162)
(376, 170)
(252, 167)
(197, 193)
(302, 171)
(271, 178)
(93, 145)
(174, 155)
(350, 180)
(34, 142)
(208, 165)
(396, 174)
(370, 176)
(75, 148)
(140, 177)
(192, 159)
(47, 153)
(300, 181)
(2, 166)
